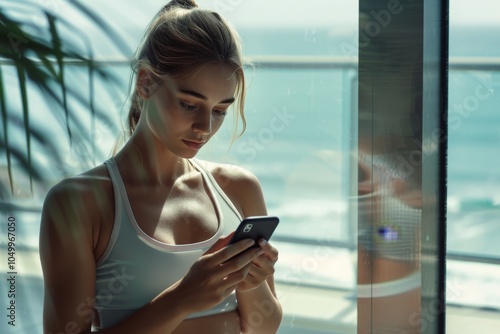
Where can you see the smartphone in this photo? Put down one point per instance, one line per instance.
(255, 228)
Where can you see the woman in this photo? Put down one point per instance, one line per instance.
(136, 245)
(389, 279)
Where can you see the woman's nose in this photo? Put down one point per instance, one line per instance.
(203, 123)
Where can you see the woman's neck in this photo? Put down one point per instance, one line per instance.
(143, 160)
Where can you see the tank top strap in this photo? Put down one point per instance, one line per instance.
(118, 189)
(214, 185)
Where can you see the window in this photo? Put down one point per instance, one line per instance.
(473, 179)
(317, 143)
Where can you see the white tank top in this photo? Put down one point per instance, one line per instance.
(135, 268)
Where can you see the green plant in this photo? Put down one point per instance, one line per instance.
(38, 54)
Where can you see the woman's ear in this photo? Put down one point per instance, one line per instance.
(144, 83)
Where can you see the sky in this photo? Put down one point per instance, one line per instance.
(286, 12)
(343, 12)
(131, 17)
(295, 12)
(474, 12)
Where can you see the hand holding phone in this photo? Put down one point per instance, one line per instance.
(256, 228)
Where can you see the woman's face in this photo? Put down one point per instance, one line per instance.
(185, 118)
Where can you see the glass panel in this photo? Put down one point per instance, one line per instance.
(473, 255)
(401, 185)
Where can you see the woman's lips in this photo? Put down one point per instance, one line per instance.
(193, 144)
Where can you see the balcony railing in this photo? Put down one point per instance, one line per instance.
(315, 62)
(311, 62)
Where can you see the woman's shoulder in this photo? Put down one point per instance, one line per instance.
(240, 185)
(230, 175)
(85, 192)
(72, 215)
(83, 184)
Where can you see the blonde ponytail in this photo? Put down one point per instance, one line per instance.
(182, 38)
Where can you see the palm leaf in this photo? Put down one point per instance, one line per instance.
(58, 53)
(3, 110)
(42, 62)
(26, 117)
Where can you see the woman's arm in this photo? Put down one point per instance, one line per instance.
(70, 216)
(66, 254)
(259, 308)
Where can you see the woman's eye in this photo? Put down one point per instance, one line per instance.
(220, 112)
(188, 107)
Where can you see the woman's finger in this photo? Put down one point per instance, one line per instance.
(271, 252)
(219, 244)
(262, 267)
(239, 260)
(229, 251)
(237, 277)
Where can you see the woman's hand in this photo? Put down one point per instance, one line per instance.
(216, 274)
(261, 267)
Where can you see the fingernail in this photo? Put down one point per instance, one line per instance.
(250, 242)
(263, 242)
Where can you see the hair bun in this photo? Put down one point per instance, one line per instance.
(186, 4)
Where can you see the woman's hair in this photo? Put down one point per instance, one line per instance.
(181, 39)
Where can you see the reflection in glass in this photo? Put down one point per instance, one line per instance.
(396, 187)
(389, 219)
